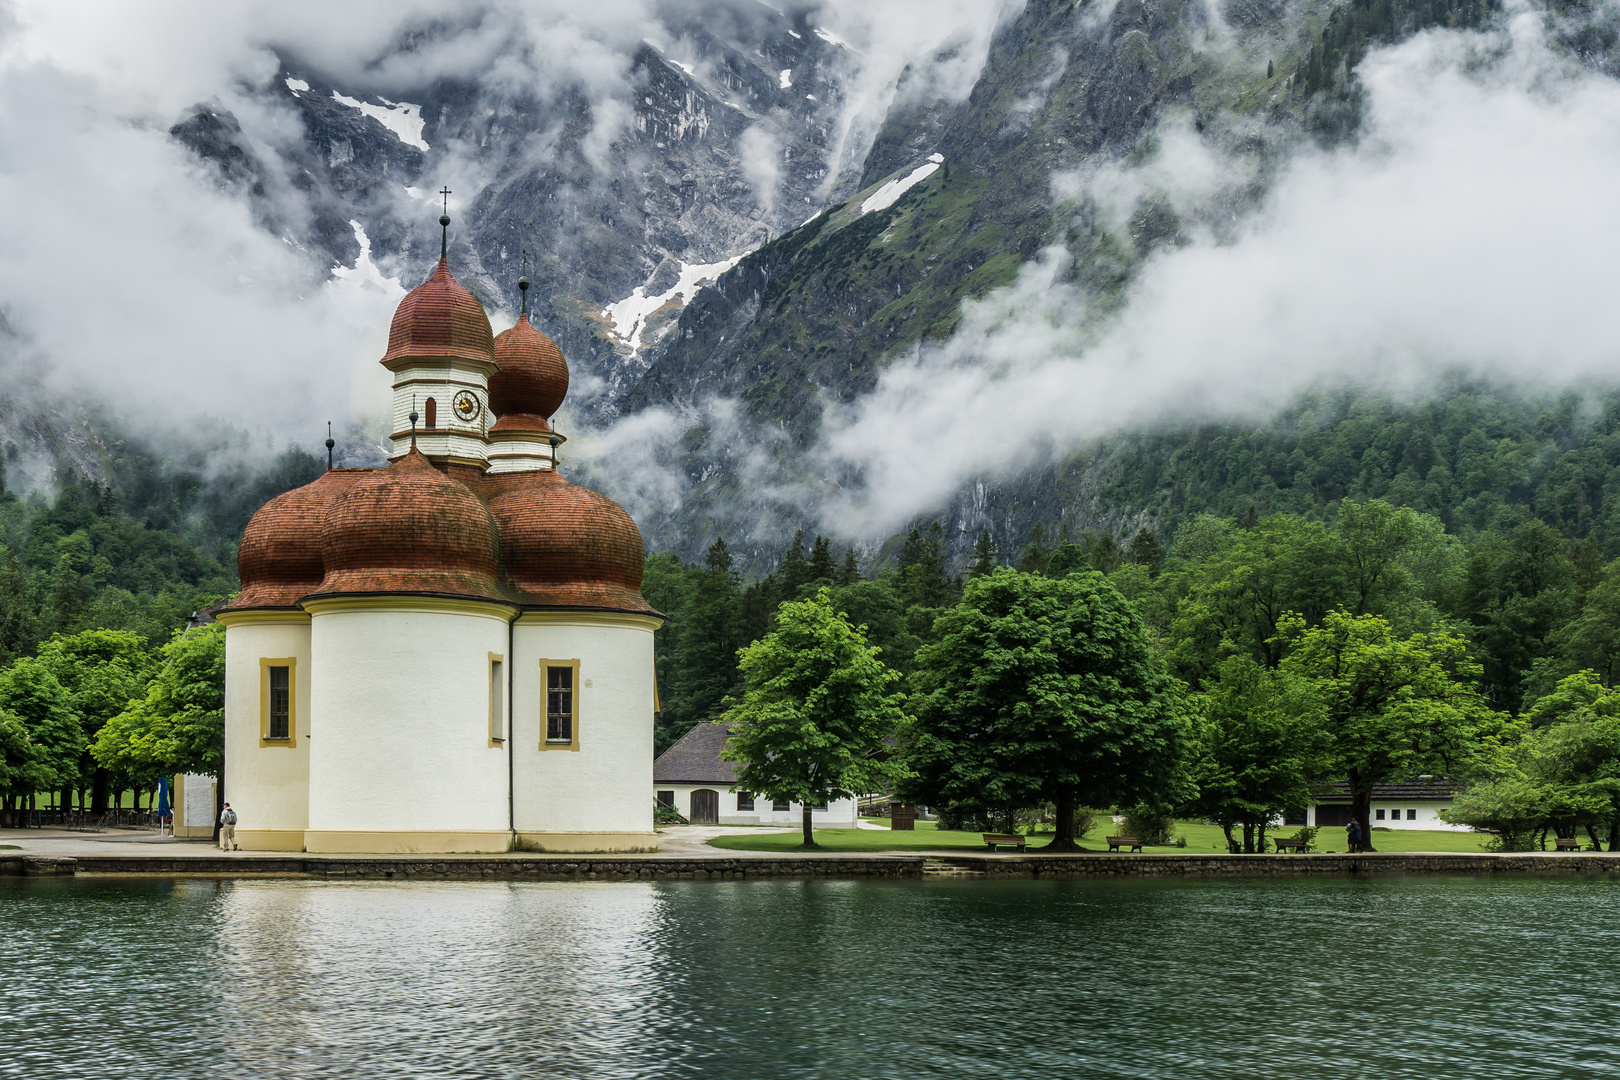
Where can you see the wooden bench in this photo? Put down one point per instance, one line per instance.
(1004, 840)
(1117, 842)
(1286, 844)
(1569, 844)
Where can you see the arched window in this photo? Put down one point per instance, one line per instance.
(431, 412)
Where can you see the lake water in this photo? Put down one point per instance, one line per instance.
(1382, 977)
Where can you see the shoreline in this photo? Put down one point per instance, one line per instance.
(522, 866)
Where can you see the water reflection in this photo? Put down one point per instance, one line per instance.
(1419, 977)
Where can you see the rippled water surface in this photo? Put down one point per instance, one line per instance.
(1392, 977)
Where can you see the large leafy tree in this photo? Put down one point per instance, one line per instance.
(1262, 743)
(1392, 705)
(102, 671)
(1045, 691)
(816, 710)
(179, 725)
(31, 694)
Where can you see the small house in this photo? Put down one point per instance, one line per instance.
(1408, 804)
(691, 777)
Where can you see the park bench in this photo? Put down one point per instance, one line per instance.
(1286, 844)
(1005, 840)
(1569, 844)
(1117, 842)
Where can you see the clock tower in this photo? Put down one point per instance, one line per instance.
(442, 354)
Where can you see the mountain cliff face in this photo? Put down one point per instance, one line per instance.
(719, 264)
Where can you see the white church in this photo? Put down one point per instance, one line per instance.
(450, 653)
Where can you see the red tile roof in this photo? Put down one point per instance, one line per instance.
(534, 376)
(440, 318)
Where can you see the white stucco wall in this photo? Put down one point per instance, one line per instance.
(1428, 815)
(268, 786)
(415, 383)
(602, 786)
(400, 696)
(840, 813)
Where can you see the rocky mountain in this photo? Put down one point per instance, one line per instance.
(722, 265)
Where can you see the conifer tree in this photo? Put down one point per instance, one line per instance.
(793, 572)
(1145, 550)
(850, 572)
(985, 556)
(1036, 555)
(822, 568)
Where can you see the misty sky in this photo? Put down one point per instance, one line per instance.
(1472, 226)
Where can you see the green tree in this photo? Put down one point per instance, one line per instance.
(816, 709)
(1393, 706)
(29, 692)
(1045, 691)
(102, 671)
(1145, 550)
(1263, 742)
(179, 725)
(985, 556)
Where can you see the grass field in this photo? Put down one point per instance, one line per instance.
(1200, 838)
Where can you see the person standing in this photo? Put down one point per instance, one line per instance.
(1352, 833)
(227, 829)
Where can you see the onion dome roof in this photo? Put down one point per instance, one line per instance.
(409, 528)
(440, 318)
(279, 558)
(533, 379)
(568, 546)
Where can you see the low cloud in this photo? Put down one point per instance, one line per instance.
(1472, 227)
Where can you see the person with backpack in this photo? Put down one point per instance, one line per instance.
(227, 829)
(1353, 835)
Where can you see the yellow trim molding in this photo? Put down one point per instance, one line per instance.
(585, 841)
(590, 618)
(269, 839)
(389, 842)
(545, 701)
(263, 616)
(497, 700)
(291, 664)
(330, 605)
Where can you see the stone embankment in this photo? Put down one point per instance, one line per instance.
(709, 868)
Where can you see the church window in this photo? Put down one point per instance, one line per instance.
(745, 800)
(430, 414)
(277, 701)
(497, 700)
(559, 682)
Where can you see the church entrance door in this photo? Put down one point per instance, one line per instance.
(705, 807)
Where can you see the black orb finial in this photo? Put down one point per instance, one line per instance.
(444, 224)
(329, 445)
(413, 421)
(555, 442)
(523, 284)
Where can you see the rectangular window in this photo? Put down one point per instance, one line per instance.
(1411, 815)
(1379, 814)
(745, 800)
(666, 798)
(819, 806)
(559, 702)
(779, 806)
(278, 701)
(497, 700)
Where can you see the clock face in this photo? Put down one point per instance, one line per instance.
(466, 405)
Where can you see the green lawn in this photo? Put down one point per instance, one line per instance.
(1200, 838)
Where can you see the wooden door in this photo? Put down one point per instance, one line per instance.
(705, 807)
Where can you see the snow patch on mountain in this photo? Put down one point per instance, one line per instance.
(364, 274)
(400, 117)
(887, 195)
(628, 318)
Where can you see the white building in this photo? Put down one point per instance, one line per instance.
(1409, 804)
(691, 777)
(449, 653)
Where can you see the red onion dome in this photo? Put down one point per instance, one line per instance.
(409, 528)
(440, 318)
(533, 379)
(279, 558)
(567, 546)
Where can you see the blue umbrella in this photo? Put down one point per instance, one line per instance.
(163, 797)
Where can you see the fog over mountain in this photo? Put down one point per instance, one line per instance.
(841, 266)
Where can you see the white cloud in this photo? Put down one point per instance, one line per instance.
(1473, 226)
